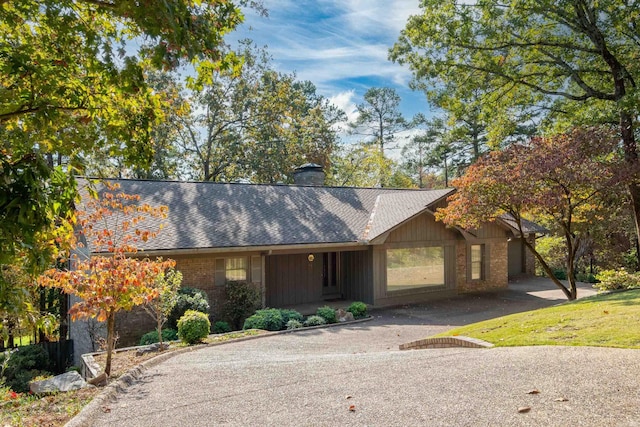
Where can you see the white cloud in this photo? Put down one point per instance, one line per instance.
(339, 45)
(344, 101)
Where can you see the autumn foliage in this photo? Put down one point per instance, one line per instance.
(564, 180)
(114, 278)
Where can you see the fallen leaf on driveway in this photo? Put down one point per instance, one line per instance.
(561, 399)
(352, 408)
(348, 397)
(524, 409)
(534, 391)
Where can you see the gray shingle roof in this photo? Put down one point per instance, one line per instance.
(215, 215)
(392, 209)
(527, 226)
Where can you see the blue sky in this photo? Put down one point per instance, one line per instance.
(339, 45)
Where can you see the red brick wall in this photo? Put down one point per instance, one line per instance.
(498, 270)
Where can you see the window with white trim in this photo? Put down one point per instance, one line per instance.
(231, 269)
(477, 262)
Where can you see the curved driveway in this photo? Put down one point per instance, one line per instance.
(313, 377)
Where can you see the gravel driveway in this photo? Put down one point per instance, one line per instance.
(312, 378)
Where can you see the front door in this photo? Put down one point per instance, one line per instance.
(329, 274)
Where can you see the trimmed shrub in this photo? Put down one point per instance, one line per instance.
(611, 280)
(268, 319)
(358, 309)
(290, 315)
(560, 273)
(152, 337)
(23, 365)
(188, 299)
(294, 324)
(327, 313)
(221, 327)
(315, 321)
(241, 300)
(586, 278)
(193, 327)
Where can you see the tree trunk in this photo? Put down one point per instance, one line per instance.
(631, 157)
(159, 328)
(64, 310)
(567, 292)
(111, 326)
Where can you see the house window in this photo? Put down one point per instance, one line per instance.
(410, 268)
(477, 262)
(231, 269)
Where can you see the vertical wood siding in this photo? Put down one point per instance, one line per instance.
(422, 228)
(355, 275)
(293, 279)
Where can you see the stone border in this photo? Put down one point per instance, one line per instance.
(85, 416)
(445, 342)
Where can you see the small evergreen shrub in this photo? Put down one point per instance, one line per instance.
(586, 278)
(152, 337)
(188, 299)
(294, 324)
(358, 309)
(193, 327)
(315, 321)
(327, 313)
(241, 300)
(268, 319)
(221, 327)
(560, 274)
(23, 365)
(290, 315)
(611, 280)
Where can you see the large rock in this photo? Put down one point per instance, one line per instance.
(344, 316)
(66, 382)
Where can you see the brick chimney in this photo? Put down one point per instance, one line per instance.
(309, 174)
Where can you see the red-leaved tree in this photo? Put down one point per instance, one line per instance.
(113, 277)
(566, 180)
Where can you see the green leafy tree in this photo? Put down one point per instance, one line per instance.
(255, 123)
(573, 61)
(360, 165)
(167, 285)
(379, 119)
(566, 180)
(71, 82)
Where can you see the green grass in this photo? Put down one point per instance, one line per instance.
(608, 320)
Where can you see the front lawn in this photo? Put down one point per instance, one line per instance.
(608, 320)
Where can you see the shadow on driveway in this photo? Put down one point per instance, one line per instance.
(522, 295)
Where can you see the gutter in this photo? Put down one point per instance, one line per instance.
(193, 251)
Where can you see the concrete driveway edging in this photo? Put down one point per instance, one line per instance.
(84, 417)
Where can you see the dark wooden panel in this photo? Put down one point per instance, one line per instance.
(293, 279)
(356, 275)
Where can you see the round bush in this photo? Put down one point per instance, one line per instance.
(288, 314)
(221, 327)
(268, 319)
(152, 337)
(315, 321)
(193, 327)
(294, 324)
(188, 299)
(327, 313)
(358, 309)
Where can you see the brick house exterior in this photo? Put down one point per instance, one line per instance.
(303, 244)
